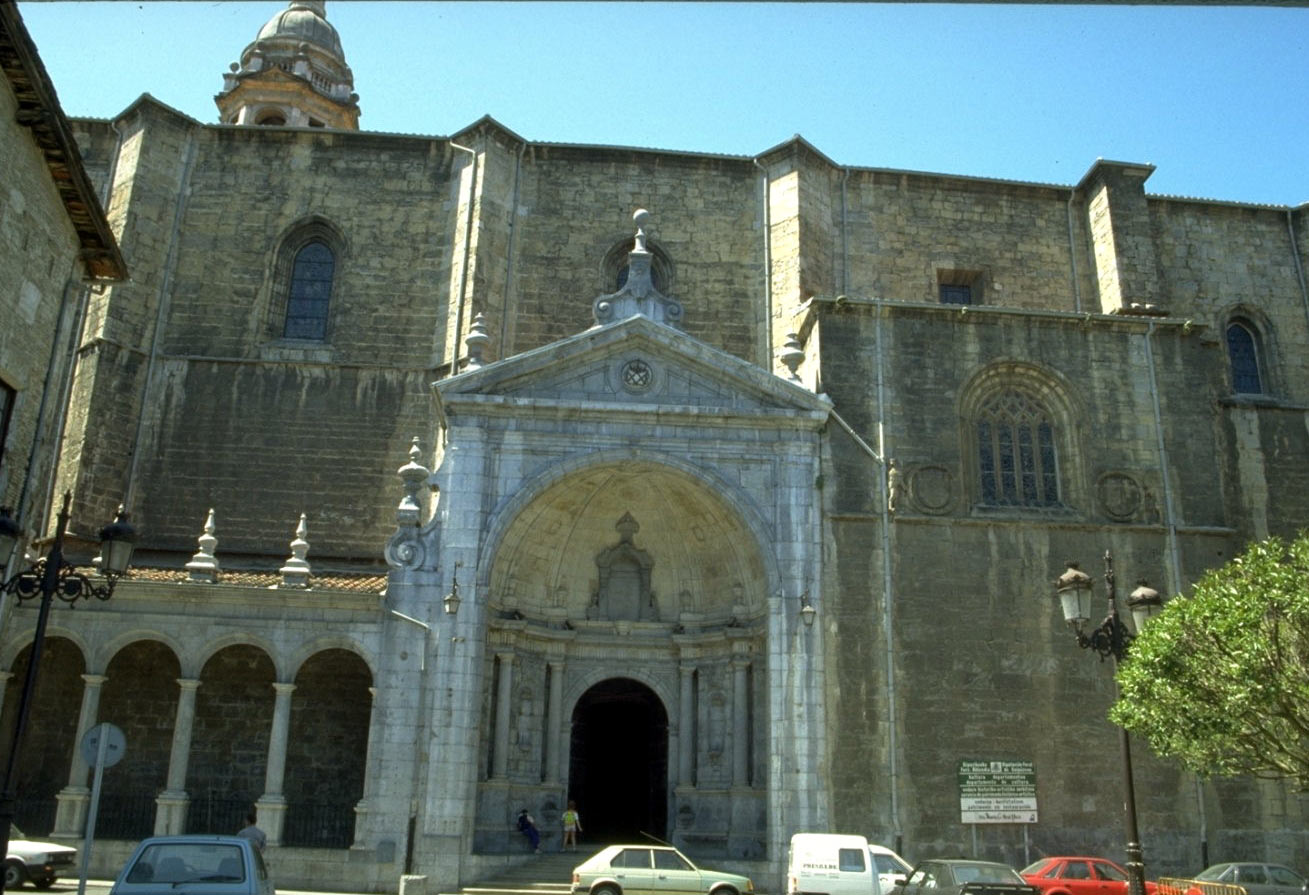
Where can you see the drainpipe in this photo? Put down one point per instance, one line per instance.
(1299, 268)
(879, 455)
(161, 314)
(509, 253)
(845, 234)
(1175, 565)
(1072, 255)
(768, 264)
(893, 763)
(463, 271)
(422, 726)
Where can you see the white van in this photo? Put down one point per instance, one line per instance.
(830, 864)
(888, 866)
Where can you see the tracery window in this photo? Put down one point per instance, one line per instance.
(1017, 460)
(310, 292)
(1243, 359)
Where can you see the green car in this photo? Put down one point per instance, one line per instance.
(651, 870)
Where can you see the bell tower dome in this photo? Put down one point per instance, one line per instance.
(293, 74)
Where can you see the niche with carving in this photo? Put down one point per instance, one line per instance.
(624, 592)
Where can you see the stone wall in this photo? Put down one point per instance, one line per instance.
(39, 271)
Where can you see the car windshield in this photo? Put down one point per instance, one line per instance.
(184, 862)
(1284, 876)
(1109, 871)
(985, 873)
(888, 864)
(1034, 869)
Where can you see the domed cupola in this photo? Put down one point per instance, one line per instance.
(294, 75)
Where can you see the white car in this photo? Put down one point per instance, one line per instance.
(888, 866)
(33, 862)
(651, 870)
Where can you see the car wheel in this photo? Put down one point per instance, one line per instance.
(606, 890)
(14, 875)
(724, 890)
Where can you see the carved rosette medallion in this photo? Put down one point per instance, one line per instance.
(636, 375)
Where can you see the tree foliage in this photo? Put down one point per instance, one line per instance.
(1220, 680)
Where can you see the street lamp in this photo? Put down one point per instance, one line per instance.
(1111, 638)
(47, 578)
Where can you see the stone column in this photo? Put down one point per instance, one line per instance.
(686, 728)
(740, 723)
(171, 804)
(74, 799)
(4, 685)
(555, 700)
(500, 768)
(361, 807)
(272, 804)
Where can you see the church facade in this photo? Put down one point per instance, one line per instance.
(722, 495)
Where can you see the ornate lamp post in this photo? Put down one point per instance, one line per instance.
(47, 578)
(1111, 638)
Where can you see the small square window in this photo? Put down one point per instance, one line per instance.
(956, 294)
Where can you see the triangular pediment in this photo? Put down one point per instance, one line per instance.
(635, 363)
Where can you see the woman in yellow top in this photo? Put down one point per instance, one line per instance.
(572, 826)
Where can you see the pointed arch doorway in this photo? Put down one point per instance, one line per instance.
(618, 762)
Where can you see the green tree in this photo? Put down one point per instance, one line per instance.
(1220, 680)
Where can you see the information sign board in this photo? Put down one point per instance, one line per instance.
(997, 792)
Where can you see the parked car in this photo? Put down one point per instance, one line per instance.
(1079, 876)
(647, 870)
(204, 865)
(35, 862)
(958, 876)
(1256, 877)
(888, 866)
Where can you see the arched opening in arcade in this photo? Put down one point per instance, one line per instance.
(618, 762)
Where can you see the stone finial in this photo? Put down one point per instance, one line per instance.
(791, 355)
(476, 341)
(296, 571)
(640, 217)
(627, 528)
(414, 475)
(204, 566)
(638, 295)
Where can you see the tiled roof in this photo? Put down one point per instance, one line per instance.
(360, 584)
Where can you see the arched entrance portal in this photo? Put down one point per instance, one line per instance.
(618, 765)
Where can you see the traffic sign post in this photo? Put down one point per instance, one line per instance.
(102, 747)
(997, 792)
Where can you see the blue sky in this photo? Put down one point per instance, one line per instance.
(1213, 96)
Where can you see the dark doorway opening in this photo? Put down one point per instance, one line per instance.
(618, 764)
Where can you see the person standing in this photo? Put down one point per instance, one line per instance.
(253, 833)
(572, 826)
(527, 826)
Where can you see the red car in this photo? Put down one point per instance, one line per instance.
(1079, 876)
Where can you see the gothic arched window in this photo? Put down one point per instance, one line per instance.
(310, 292)
(1243, 358)
(1017, 460)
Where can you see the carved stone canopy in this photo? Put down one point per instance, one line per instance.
(624, 593)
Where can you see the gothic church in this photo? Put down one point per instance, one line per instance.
(723, 495)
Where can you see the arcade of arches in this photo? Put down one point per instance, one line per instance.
(210, 748)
